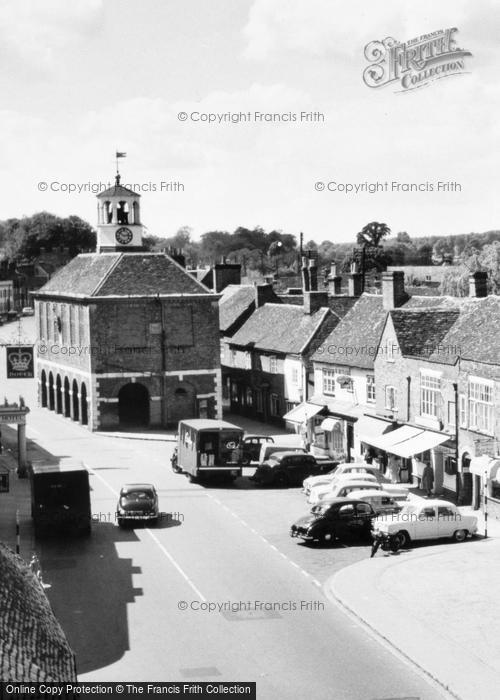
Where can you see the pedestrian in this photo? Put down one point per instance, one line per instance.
(428, 480)
(393, 466)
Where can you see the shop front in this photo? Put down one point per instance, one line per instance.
(405, 452)
(485, 472)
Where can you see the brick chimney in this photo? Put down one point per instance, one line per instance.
(225, 273)
(393, 289)
(314, 300)
(305, 274)
(334, 281)
(264, 294)
(355, 281)
(478, 284)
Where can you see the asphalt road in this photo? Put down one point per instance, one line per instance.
(120, 594)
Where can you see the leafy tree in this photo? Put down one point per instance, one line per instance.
(372, 234)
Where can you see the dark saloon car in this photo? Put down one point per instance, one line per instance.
(289, 469)
(137, 502)
(343, 517)
(251, 447)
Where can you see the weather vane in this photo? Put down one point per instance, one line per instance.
(119, 154)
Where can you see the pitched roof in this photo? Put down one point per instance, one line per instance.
(122, 274)
(235, 300)
(118, 191)
(355, 340)
(282, 328)
(33, 646)
(420, 333)
(475, 335)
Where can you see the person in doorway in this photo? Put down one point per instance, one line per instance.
(393, 467)
(428, 480)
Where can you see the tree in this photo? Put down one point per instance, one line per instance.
(372, 234)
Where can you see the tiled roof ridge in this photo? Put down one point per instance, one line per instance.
(184, 270)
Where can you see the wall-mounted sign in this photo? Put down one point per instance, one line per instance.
(20, 362)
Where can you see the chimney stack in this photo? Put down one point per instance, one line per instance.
(264, 294)
(314, 300)
(478, 284)
(225, 273)
(355, 281)
(305, 274)
(393, 289)
(313, 275)
(334, 281)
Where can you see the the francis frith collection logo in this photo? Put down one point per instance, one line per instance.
(414, 63)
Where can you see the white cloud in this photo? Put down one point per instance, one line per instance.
(34, 32)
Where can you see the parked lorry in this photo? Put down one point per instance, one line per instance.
(60, 497)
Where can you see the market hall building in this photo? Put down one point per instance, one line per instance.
(125, 337)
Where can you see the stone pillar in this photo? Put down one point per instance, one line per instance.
(21, 447)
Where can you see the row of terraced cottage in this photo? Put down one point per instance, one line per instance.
(410, 380)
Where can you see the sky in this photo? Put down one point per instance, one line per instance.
(80, 80)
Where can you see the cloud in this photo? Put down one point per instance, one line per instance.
(33, 33)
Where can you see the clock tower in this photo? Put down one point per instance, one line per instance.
(119, 227)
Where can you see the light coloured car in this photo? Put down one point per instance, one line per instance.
(381, 501)
(317, 492)
(427, 520)
(268, 449)
(397, 491)
(28, 311)
(343, 489)
(324, 479)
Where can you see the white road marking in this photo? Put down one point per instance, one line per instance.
(155, 540)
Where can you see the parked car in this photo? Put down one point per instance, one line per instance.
(336, 520)
(137, 502)
(344, 489)
(380, 501)
(324, 479)
(319, 492)
(288, 469)
(268, 449)
(430, 519)
(397, 491)
(28, 311)
(251, 445)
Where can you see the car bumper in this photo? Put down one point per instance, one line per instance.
(302, 535)
(137, 516)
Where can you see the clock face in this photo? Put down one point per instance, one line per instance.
(123, 235)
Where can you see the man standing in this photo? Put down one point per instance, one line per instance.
(428, 480)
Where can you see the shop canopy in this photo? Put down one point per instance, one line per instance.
(329, 424)
(485, 464)
(369, 427)
(407, 441)
(303, 412)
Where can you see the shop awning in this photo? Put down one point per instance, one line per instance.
(485, 464)
(369, 427)
(388, 440)
(329, 424)
(303, 412)
(426, 440)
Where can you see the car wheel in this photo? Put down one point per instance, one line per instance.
(281, 480)
(191, 478)
(460, 535)
(403, 538)
(245, 460)
(121, 522)
(327, 538)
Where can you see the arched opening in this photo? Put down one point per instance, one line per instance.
(108, 210)
(51, 392)
(122, 212)
(58, 394)
(67, 398)
(83, 402)
(133, 405)
(76, 403)
(43, 393)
